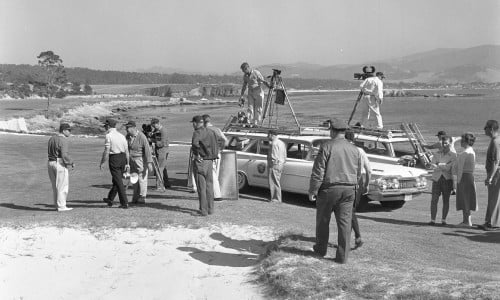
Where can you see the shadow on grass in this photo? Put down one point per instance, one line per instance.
(214, 258)
(485, 237)
(174, 208)
(21, 207)
(393, 221)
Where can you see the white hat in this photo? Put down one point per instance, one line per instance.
(134, 177)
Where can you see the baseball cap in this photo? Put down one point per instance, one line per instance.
(130, 124)
(64, 126)
(197, 119)
(336, 123)
(110, 122)
(441, 132)
(381, 74)
(206, 118)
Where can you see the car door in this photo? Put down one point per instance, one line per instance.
(297, 170)
(257, 164)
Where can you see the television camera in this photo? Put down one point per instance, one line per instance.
(368, 71)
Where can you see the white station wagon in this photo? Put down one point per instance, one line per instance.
(391, 185)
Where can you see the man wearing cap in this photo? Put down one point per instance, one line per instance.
(116, 148)
(335, 174)
(205, 150)
(221, 143)
(439, 144)
(141, 161)
(276, 157)
(253, 80)
(59, 161)
(373, 95)
(160, 140)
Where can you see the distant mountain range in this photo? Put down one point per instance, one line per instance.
(476, 64)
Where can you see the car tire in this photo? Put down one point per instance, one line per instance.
(242, 181)
(392, 204)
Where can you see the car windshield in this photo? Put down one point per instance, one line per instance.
(403, 148)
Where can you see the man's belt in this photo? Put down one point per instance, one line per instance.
(52, 159)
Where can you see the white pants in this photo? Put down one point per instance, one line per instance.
(59, 177)
(141, 186)
(255, 104)
(370, 104)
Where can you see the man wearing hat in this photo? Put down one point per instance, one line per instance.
(373, 95)
(276, 158)
(141, 161)
(334, 178)
(58, 163)
(205, 150)
(439, 145)
(160, 140)
(116, 149)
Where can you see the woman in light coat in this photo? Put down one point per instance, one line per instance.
(466, 188)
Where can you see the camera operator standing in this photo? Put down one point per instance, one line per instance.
(160, 141)
(373, 95)
(253, 79)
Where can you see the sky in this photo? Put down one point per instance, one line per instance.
(216, 36)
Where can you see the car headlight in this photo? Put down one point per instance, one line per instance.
(388, 183)
(423, 181)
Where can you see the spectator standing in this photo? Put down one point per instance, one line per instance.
(442, 180)
(466, 188)
(335, 174)
(373, 95)
(116, 149)
(59, 160)
(492, 218)
(161, 143)
(141, 161)
(253, 80)
(439, 144)
(276, 158)
(221, 143)
(204, 149)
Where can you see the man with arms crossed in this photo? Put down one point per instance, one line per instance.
(116, 148)
(276, 157)
(335, 175)
(253, 80)
(59, 161)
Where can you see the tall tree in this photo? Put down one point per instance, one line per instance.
(54, 72)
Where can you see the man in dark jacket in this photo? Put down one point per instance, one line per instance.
(160, 140)
(205, 150)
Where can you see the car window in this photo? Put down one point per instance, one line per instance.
(297, 151)
(237, 143)
(252, 147)
(374, 147)
(263, 147)
(403, 148)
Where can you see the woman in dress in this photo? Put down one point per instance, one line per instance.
(466, 188)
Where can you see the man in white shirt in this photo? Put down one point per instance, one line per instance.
(116, 148)
(253, 80)
(373, 95)
(276, 157)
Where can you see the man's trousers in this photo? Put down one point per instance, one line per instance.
(370, 104)
(274, 178)
(255, 105)
(162, 165)
(117, 164)
(204, 183)
(59, 177)
(441, 187)
(340, 200)
(141, 186)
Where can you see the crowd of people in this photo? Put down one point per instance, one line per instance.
(340, 175)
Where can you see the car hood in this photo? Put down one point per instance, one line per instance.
(381, 169)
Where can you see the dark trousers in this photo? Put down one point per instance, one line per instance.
(204, 185)
(441, 187)
(355, 224)
(117, 164)
(340, 200)
(162, 165)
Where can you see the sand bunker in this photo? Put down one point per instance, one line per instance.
(172, 263)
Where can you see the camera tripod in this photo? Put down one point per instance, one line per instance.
(277, 91)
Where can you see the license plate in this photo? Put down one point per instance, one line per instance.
(408, 197)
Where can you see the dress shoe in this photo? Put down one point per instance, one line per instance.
(444, 223)
(108, 202)
(64, 208)
(141, 200)
(464, 225)
(317, 252)
(123, 206)
(432, 223)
